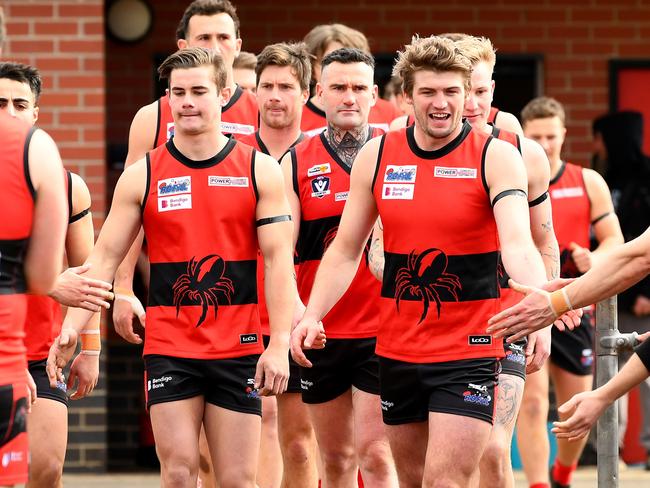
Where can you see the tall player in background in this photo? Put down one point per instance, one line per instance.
(322, 40)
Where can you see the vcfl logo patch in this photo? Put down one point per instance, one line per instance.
(320, 186)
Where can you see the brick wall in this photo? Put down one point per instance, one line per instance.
(576, 38)
(65, 40)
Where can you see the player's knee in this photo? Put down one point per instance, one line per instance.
(534, 407)
(178, 472)
(236, 477)
(46, 473)
(495, 464)
(297, 451)
(338, 461)
(375, 457)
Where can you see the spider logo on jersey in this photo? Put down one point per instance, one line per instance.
(425, 277)
(201, 284)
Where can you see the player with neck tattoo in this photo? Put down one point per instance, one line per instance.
(339, 386)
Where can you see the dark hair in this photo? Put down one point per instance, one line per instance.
(206, 7)
(194, 57)
(283, 54)
(348, 55)
(23, 73)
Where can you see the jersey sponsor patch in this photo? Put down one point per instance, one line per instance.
(248, 339)
(174, 186)
(397, 192)
(320, 186)
(341, 196)
(573, 192)
(177, 202)
(479, 340)
(234, 128)
(238, 181)
(444, 172)
(170, 130)
(400, 174)
(319, 169)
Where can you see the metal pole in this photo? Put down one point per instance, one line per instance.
(606, 368)
(609, 341)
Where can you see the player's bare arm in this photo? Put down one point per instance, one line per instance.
(274, 231)
(507, 121)
(79, 243)
(625, 265)
(142, 135)
(604, 221)
(341, 260)
(117, 234)
(43, 260)
(376, 260)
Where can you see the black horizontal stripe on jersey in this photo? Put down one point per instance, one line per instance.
(242, 275)
(477, 274)
(314, 237)
(12, 262)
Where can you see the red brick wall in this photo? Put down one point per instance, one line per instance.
(65, 41)
(576, 37)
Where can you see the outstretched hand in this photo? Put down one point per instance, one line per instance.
(73, 289)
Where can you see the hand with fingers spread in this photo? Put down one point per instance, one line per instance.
(534, 312)
(308, 334)
(272, 372)
(125, 307)
(73, 289)
(581, 256)
(538, 349)
(84, 369)
(585, 408)
(61, 352)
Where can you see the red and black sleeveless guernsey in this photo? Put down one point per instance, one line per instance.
(239, 116)
(571, 214)
(44, 319)
(440, 247)
(322, 181)
(313, 119)
(199, 222)
(492, 116)
(17, 203)
(255, 141)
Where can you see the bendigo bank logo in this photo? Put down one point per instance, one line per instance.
(425, 278)
(202, 284)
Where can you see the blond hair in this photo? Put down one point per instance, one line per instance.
(477, 50)
(542, 108)
(284, 54)
(433, 53)
(194, 57)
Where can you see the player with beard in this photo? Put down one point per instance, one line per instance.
(283, 74)
(438, 368)
(340, 385)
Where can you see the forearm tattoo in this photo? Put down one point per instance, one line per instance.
(551, 255)
(347, 143)
(376, 259)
